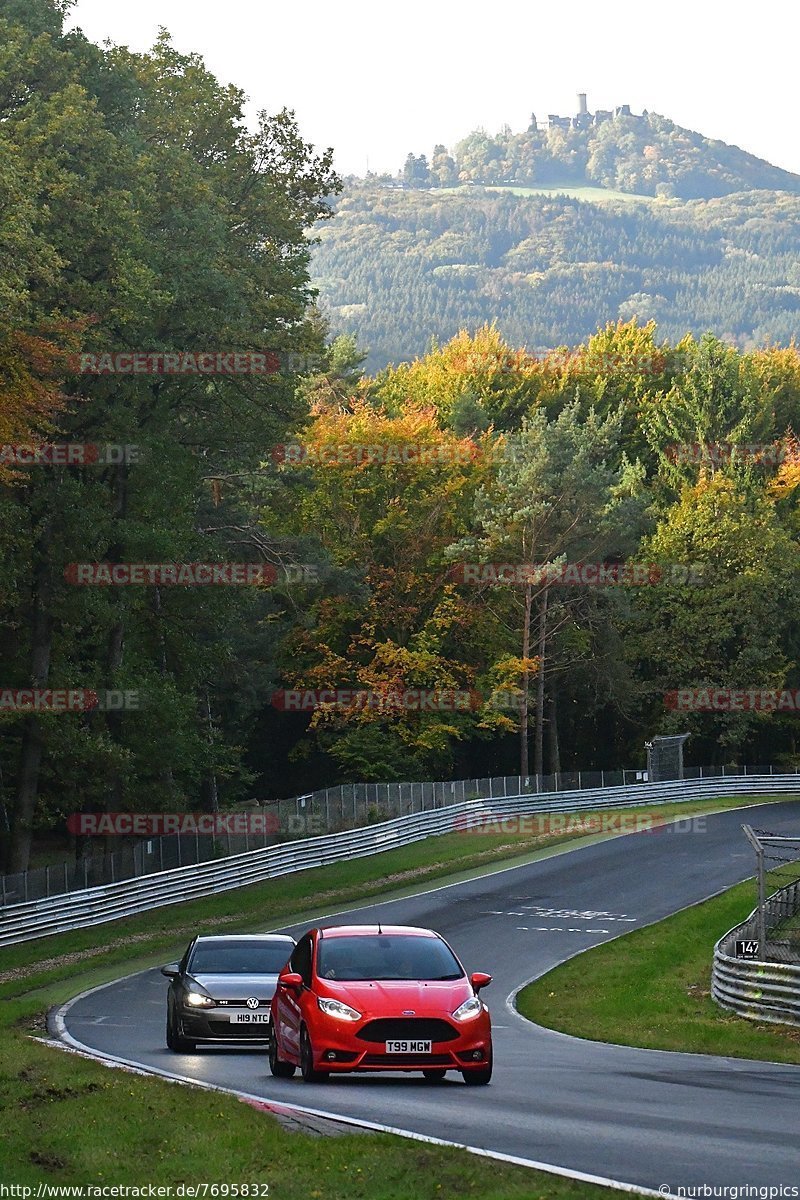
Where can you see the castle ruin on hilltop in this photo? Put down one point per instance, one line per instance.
(583, 118)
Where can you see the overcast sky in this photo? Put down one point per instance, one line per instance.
(375, 80)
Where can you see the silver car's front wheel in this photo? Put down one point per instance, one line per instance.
(175, 1040)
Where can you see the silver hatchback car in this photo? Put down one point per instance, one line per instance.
(221, 989)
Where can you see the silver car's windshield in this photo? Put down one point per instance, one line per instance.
(252, 958)
(384, 956)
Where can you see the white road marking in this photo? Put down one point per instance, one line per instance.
(535, 910)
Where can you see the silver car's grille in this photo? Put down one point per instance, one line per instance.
(232, 1033)
(241, 1004)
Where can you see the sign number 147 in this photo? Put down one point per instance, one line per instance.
(747, 949)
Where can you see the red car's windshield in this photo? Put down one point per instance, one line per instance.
(383, 956)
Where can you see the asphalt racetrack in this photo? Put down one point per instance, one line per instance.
(651, 1118)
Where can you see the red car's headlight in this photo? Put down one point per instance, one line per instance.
(335, 1008)
(469, 1009)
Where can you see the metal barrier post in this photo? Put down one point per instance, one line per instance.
(762, 924)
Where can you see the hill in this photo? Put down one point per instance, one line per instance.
(646, 154)
(398, 268)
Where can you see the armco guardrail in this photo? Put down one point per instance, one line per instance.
(314, 814)
(758, 990)
(76, 910)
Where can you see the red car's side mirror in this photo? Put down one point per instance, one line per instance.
(480, 980)
(290, 981)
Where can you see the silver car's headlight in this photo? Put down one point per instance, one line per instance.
(469, 1009)
(198, 1000)
(335, 1008)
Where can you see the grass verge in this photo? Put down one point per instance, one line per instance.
(652, 988)
(67, 1120)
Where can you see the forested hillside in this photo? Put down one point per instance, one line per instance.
(647, 154)
(398, 268)
(433, 484)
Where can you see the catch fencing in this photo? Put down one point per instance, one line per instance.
(756, 971)
(328, 810)
(761, 989)
(94, 906)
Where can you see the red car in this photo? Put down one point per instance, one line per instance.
(372, 998)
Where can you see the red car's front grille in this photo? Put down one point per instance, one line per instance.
(401, 1029)
(407, 1060)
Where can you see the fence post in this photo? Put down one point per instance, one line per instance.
(66, 878)
(3, 879)
(602, 779)
(25, 884)
(47, 880)
(580, 786)
(762, 922)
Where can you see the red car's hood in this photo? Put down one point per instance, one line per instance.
(387, 997)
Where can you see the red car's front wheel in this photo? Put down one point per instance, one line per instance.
(307, 1069)
(476, 1078)
(279, 1068)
